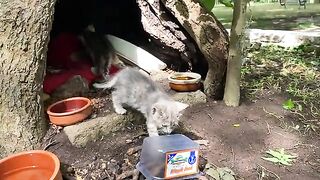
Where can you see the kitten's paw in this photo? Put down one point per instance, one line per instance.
(120, 111)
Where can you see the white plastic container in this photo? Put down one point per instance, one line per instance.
(169, 157)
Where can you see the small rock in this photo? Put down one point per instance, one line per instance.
(94, 158)
(70, 170)
(113, 167)
(202, 142)
(128, 141)
(103, 166)
(85, 171)
(191, 98)
(82, 133)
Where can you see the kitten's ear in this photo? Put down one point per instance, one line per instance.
(181, 106)
(157, 108)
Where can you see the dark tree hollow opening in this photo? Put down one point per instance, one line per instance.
(124, 20)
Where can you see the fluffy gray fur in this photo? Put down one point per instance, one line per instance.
(132, 88)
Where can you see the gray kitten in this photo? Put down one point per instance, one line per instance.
(100, 50)
(133, 89)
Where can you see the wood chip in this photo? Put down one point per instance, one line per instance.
(202, 142)
(133, 150)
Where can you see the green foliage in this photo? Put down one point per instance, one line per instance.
(288, 104)
(294, 73)
(209, 4)
(227, 3)
(285, 18)
(217, 173)
(279, 157)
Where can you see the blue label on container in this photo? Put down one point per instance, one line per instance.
(192, 159)
(170, 156)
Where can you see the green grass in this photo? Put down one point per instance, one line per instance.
(294, 73)
(274, 16)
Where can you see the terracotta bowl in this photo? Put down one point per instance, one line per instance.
(185, 81)
(30, 165)
(69, 111)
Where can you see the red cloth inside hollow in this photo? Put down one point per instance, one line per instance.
(59, 56)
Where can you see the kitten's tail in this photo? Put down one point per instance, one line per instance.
(106, 85)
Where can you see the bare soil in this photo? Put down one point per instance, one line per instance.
(238, 138)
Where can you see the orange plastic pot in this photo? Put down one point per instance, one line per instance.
(69, 111)
(30, 165)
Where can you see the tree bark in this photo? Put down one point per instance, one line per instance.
(24, 36)
(232, 88)
(166, 33)
(210, 36)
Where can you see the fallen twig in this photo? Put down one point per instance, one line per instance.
(202, 142)
(268, 127)
(272, 114)
(134, 173)
(210, 116)
(265, 169)
(51, 143)
(234, 158)
(134, 150)
(140, 134)
(107, 176)
(301, 115)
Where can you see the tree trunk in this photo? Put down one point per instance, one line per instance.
(24, 36)
(172, 41)
(232, 88)
(210, 36)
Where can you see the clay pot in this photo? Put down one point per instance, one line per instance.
(30, 165)
(185, 81)
(69, 111)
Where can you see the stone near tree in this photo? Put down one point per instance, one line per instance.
(190, 98)
(91, 130)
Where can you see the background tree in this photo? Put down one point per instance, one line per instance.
(232, 88)
(24, 35)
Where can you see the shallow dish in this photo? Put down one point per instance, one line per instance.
(35, 165)
(185, 81)
(69, 111)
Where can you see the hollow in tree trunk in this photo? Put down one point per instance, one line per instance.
(24, 35)
(186, 27)
(210, 36)
(232, 87)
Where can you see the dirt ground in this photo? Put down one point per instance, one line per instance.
(242, 147)
(238, 138)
